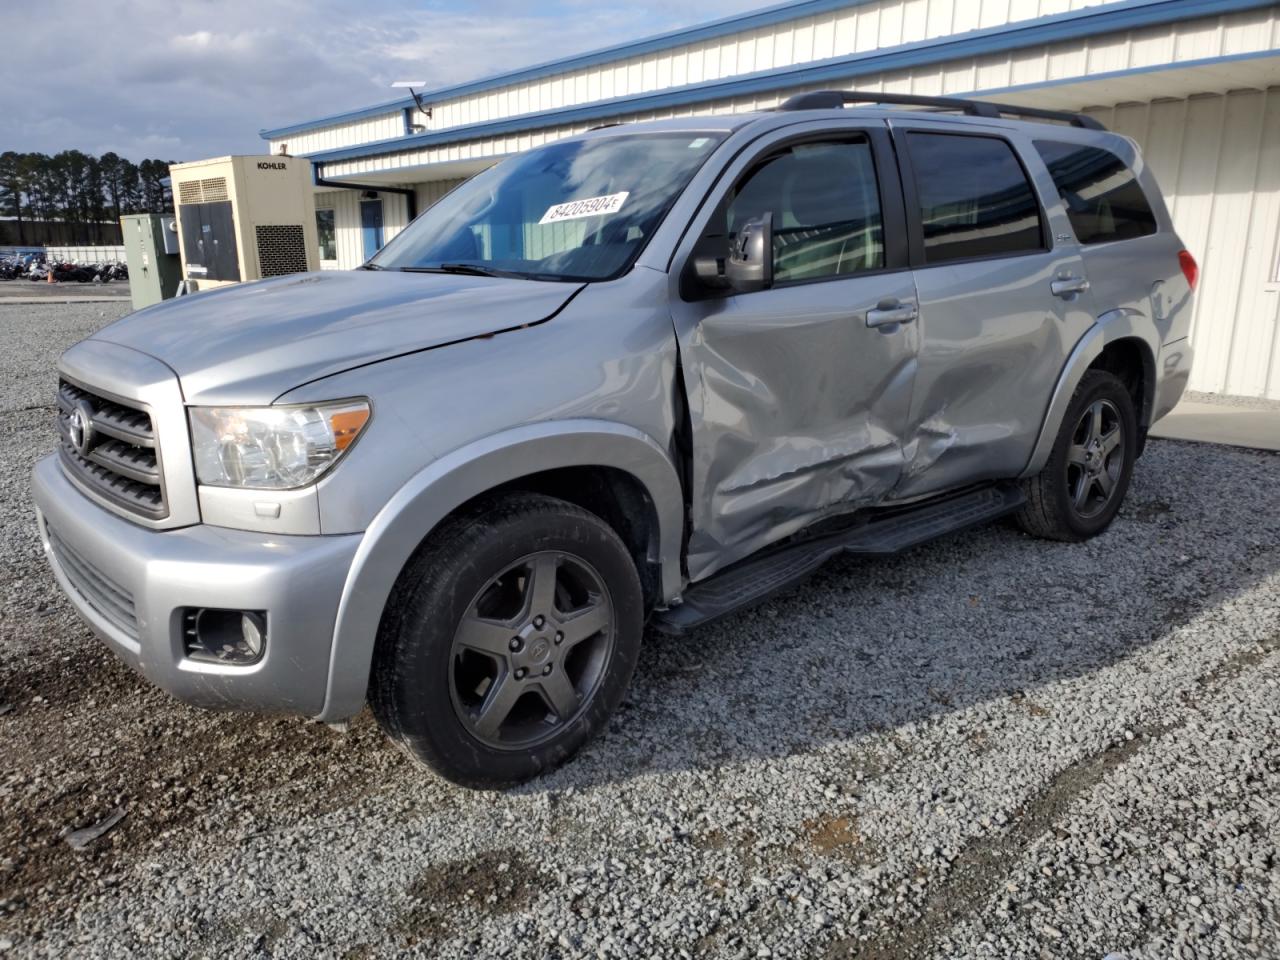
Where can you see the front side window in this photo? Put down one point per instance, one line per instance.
(327, 234)
(975, 198)
(1103, 198)
(577, 210)
(825, 205)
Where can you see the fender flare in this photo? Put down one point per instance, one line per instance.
(1121, 324)
(453, 479)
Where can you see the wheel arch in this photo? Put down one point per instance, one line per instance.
(1130, 358)
(1123, 342)
(616, 497)
(547, 457)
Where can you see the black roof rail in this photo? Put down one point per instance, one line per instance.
(834, 99)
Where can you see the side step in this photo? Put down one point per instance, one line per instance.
(758, 578)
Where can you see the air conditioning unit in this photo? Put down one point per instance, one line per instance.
(244, 218)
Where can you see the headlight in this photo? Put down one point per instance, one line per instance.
(272, 448)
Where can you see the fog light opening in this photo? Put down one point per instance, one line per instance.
(234, 637)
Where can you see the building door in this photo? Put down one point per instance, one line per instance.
(798, 394)
(371, 226)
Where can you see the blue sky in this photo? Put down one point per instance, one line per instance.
(187, 79)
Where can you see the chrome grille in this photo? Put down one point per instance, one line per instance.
(112, 601)
(117, 460)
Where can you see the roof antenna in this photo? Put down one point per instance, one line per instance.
(423, 108)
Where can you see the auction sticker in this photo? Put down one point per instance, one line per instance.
(588, 207)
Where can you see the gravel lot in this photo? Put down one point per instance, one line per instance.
(990, 747)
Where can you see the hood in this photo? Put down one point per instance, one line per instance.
(253, 342)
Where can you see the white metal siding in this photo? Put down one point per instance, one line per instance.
(1254, 30)
(855, 29)
(429, 193)
(346, 219)
(858, 28)
(1217, 159)
(369, 130)
(345, 204)
(348, 235)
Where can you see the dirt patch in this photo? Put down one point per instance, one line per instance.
(835, 837)
(86, 735)
(497, 882)
(1150, 511)
(1034, 709)
(832, 834)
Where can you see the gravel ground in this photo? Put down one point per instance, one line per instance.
(990, 747)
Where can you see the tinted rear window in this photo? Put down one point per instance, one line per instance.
(1103, 198)
(975, 199)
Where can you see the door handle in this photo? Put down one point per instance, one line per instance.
(891, 312)
(1068, 287)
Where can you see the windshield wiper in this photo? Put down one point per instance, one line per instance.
(479, 270)
(370, 266)
(471, 269)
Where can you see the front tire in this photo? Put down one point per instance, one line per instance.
(510, 638)
(1080, 489)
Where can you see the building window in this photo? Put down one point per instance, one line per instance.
(328, 235)
(975, 199)
(1103, 198)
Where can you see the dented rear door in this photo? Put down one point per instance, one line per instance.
(798, 395)
(1003, 299)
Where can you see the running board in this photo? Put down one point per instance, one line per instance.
(756, 579)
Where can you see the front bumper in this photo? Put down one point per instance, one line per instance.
(130, 584)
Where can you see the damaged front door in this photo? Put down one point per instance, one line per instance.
(799, 393)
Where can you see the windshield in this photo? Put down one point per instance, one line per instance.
(581, 210)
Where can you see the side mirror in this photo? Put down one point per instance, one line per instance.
(750, 263)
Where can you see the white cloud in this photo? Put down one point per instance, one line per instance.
(184, 79)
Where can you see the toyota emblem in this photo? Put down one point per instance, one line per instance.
(80, 428)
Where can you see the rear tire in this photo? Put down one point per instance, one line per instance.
(510, 638)
(1080, 489)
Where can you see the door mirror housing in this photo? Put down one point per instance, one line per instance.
(749, 266)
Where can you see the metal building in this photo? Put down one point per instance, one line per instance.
(1195, 82)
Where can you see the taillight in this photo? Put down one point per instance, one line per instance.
(1190, 269)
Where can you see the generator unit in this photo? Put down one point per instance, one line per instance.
(244, 218)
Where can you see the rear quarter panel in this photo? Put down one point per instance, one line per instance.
(1143, 274)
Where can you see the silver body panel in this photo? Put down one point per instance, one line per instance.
(798, 409)
(276, 334)
(792, 407)
(993, 341)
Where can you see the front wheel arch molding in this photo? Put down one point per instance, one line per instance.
(458, 477)
(1116, 325)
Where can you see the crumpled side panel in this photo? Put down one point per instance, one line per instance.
(797, 410)
(994, 340)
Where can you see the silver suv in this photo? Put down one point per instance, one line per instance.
(649, 374)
